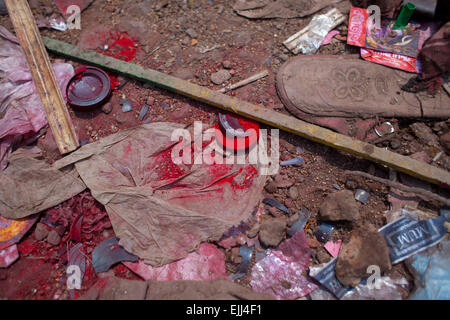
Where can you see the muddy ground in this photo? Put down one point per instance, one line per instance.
(173, 39)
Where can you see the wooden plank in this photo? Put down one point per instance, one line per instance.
(43, 76)
(276, 119)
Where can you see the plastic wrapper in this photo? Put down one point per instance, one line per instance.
(309, 39)
(21, 110)
(389, 289)
(432, 270)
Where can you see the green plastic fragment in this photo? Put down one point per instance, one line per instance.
(404, 16)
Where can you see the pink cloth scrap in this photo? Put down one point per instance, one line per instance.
(329, 36)
(207, 263)
(333, 247)
(8, 256)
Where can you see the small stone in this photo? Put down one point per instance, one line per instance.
(293, 192)
(366, 247)
(275, 212)
(185, 41)
(395, 144)
(191, 33)
(121, 118)
(254, 230)
(292, 219)
(272, 231)
(282, 181)
(41, 232)
(150, 101)
(351, 184)
(220, 77)
(289, 203)
(53, 238)
(425, 134)
(227, 64)
(445, 142)
(107, 107)
(271, 187)
(283, 57)
(339, 206)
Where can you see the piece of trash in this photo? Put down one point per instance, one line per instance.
(126, 105)
(57, 23)
(108, 253)
(333, 247)
(143, 112)
(236, 133)
(205, 50)
(12, 231)
(329, 37)
(362, 32)
(280, 273)
(297, 161)
(206, 263)
(309, 39)
(274, 203)
(76, 266)
(105, 47)
(361, 196)
(324, 232)
(432, 269)
(406, 237)
(244, 82)
(336, 186)
(327, 278)
(398, 61)
(386, 288)
(403, 17)
(8, 256)
(246, 253)
(384, 129)
(300, 224)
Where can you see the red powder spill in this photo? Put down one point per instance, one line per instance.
(123, 47)
(167, 169)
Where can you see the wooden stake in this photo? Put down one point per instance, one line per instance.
(276, 119)
(43, 76)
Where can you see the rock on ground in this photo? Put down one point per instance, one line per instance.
(425, 134)
(53, 238)
(339, 206)
(445, 142)
(366, 247)
(220, 77)
(272, 231)
(41, 232)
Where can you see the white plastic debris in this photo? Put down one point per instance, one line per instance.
(309, 39)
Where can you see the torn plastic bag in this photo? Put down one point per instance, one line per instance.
(39, 185)
(281, 272)
(161, 211)
(21, 110)
(206, 263)
(432, 270)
